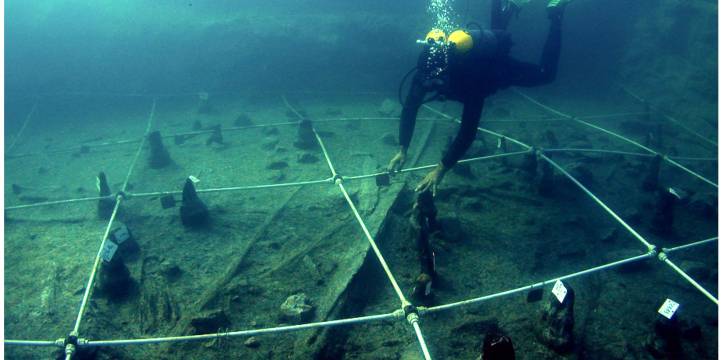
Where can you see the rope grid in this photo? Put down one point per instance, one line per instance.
(407, 311)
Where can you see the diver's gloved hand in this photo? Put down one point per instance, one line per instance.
(432, 180)
(397, 161)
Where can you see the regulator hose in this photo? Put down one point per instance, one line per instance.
(475, 24)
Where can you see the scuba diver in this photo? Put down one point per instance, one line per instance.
(467, 66)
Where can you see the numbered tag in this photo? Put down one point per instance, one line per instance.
(668, 308)
(194, 179)
(121, 234)
(560, 291)
(108, 251)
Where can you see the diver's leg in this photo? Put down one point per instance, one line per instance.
(408, 119)
(551, 52)
(556, 7)
(527, 74)
(501, 13)
(496, 15)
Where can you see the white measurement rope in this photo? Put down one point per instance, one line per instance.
(536, 285)
(254, 187)
(129, 141)
(374, 246)
(693, 158)
(194, 94)
(119, 199)
(430, 166)
(234, 188)
(686, 246)
(368, 318)
(635, 234)
(339, 181)
(420, 338)
(575, 181)
(334, 174)
(363, 226)
(667, 117)
(94, 270)
(663, 257)
(22, 128)
(30, 342)
(594, 197)
(691, 172)
(361, 319)
(245, 333)
(57, 202)
(601, 151)
(621, 137)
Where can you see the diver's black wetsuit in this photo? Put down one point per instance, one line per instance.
(477, 74)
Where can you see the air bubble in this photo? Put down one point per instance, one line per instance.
(443, 13)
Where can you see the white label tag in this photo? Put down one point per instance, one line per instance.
(428, 289)
(673, 192)
(97, 183)
(559, 291)
(668, 308)
(194, 179)
(108, 251)
(121, 235)
(499, 143)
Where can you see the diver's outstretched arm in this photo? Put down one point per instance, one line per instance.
(465, 135)
(409, 112)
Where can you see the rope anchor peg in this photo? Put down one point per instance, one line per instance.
(221, 341)
(69, 351)
(71, 339)
(410, 312)
(71, 344)
(399, 314)
(338, 179)
(662, 256)
(413, 318)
